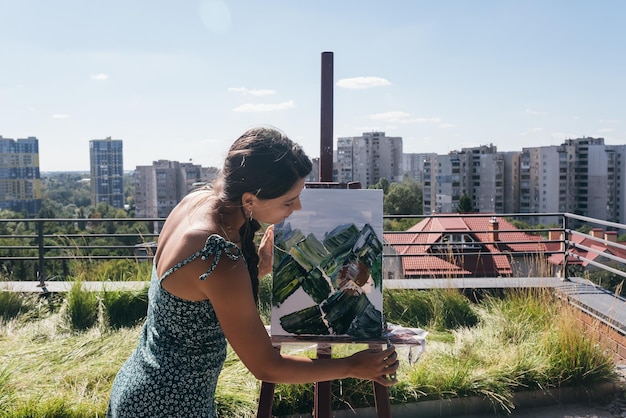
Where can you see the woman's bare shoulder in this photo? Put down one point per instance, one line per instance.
(184, 233)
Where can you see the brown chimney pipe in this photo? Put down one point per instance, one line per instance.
(326, 120)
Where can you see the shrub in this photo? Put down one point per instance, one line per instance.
(25, 306)
(11, 305)
(125, 308)
(82, 307)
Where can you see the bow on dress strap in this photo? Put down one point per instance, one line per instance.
(216, 246)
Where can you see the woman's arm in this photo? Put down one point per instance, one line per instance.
(229, 290)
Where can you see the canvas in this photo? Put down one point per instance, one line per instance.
(327, 268)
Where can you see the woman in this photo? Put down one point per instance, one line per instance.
(204, 285)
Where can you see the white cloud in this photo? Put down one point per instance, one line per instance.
(610, 121)
(426, 120)
(390, 116)
(252, 92)
(534, 112)
(100, 77)
(261, 92)
(447, 125)
(265, 107)
(531, 131)
(362, 82)
(606, 130)
(60, 116)
(402, 117)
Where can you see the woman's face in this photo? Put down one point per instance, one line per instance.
(274, 211)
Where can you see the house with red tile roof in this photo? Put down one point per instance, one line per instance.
(585, 249)
(456, 246)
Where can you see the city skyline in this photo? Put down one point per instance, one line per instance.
(180, 81)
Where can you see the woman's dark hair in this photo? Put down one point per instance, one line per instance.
(265, 162)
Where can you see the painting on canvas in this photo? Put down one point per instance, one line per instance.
(327, 269)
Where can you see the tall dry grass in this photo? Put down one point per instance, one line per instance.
(523, 341)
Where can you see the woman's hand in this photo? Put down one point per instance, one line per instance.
(266, 252)
(376, 365)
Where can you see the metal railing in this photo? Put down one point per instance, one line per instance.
(45, 245)
(48, 244)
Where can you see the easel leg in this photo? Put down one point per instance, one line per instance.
(381, 395)
(381, 400)
(266, 400)
(321, 403)
(266, 397)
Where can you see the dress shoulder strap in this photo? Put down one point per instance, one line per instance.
(215, 246)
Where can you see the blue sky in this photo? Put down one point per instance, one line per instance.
(180, 80)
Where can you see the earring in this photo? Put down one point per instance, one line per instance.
(250, 215)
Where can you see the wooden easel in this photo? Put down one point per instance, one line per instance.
(322, 391)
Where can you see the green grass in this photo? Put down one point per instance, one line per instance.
(124, 308)
(526, 340)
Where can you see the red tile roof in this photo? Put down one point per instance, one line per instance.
(598, 247)
(488, 258)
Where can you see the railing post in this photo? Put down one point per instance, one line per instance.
(41, 270)
(565, 248)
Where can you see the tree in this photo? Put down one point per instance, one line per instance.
(383, 184)
(465, 204)
(403, 198)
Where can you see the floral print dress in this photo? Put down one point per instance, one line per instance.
(174, 370)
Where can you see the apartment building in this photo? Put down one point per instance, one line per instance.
(616, 181)
(582, 176)
(20, 182)
(441, 188)
(160, 186)
(543, 182)
(106, 164)
(413, 165)
(477, 172)
(369, 158)
(342, 165)
(511, 194)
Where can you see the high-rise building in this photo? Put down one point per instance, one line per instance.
(511, 181)
(579, 176)
(616, 183)
(477, 173)
(441, 188)
(160, 186)
(413, 165)
(543, 182)
(20, 182)
(314, 175)
(343, 172)
(369, 158)
(485, 178)
(107, 172)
